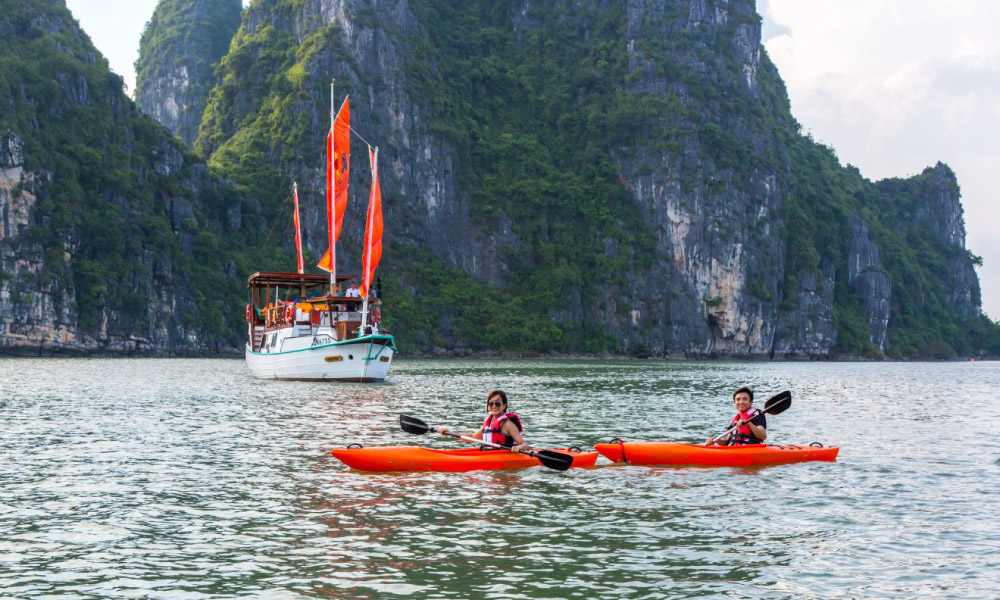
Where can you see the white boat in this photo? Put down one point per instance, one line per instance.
(295, 335)
(300, 326)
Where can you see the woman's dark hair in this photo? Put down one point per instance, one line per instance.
(501, 393)
(743, 390)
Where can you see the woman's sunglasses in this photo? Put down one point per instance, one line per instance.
(494, 403)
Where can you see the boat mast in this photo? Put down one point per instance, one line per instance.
(298, 229)
(331, 207)
(368, 245)
(298, 241)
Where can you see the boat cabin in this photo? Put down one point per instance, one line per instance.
(294, 305)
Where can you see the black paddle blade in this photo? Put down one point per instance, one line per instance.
(778, 404)
(413, 425)
(553, 460)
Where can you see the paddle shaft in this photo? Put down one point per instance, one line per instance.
(549, 458)
(545, 456)
(473, 440)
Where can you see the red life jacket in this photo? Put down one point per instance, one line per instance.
(743, 435)
(492, 429)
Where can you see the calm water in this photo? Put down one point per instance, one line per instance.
(189, 479)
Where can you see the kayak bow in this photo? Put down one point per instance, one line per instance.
(673, 453)
(415, 458)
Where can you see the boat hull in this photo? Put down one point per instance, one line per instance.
(754, 455)
(366, 359)
(414, 458)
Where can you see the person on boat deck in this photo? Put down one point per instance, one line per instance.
(500, 426)
(353, 292)
(337, 292)
(750, 423)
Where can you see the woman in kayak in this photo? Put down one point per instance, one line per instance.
(500, 426)
(750, 423)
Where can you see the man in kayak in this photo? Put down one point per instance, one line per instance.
(749, 423)
(500, 426)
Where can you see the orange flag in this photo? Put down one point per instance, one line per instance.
(373, 230)
(338, 171)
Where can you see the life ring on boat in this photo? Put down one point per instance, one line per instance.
(289, 311)
(248, 313)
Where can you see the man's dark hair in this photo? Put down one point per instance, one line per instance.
(742, 390)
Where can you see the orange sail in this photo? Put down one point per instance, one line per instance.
(372, 252)
(338, 170)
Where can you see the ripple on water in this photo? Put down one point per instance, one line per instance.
(188, 479)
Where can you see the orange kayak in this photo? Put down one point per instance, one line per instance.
(415, 458)
(672, 453)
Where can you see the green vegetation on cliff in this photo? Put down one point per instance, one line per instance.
(535, 147)
(107, 182)
(178, 52)
(538, 114)
(535, 118)
(924, 269)
(539, 109)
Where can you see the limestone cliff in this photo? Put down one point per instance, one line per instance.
(715, 286)
(178, 52)
(557, 176)
(90, 260)
(719, 229)
(33, 306)
(866, 277)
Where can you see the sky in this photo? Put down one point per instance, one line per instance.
(115, 26)
(893, 86)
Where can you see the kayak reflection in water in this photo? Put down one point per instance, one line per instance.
(750, 423)
(500, 426)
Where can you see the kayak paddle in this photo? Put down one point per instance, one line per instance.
(549, 458)
(774, 406)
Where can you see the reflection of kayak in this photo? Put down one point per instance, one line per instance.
(415, 458)
(672, 453)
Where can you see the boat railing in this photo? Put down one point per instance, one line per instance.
(340, 314)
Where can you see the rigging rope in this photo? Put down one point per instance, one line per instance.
(361, 138)
(274, 222)
(284, 205)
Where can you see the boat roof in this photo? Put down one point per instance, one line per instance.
(263, 279)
